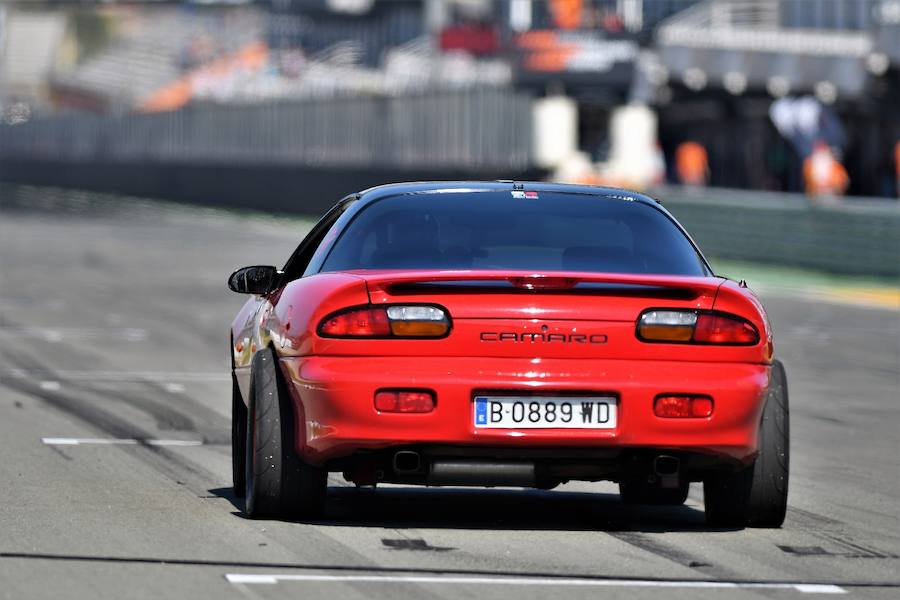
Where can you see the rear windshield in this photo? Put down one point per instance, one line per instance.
(495, 231)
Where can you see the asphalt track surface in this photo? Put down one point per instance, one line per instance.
(113, 336)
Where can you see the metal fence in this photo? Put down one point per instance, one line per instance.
(484, 128)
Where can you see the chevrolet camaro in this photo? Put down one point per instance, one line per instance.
(505, 334)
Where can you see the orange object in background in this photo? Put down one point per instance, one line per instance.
(567, 14)
(823, 174)
(692, 163)
(175, 95)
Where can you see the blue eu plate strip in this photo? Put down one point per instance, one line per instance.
(481, 411)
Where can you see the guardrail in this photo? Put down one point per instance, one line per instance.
(856, 236)
(478, 129)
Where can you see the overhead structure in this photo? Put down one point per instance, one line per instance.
(770, 45)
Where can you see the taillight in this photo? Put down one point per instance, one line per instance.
(682, 406)
(404, 401)
(695, 327)
(401, 321)
(722, 329)
(363, 322)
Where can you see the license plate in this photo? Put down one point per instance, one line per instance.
(545, 412)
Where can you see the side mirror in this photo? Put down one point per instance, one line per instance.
(253, 280)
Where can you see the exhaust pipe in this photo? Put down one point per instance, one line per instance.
(407, 462)
(667, 469)
(481, 473)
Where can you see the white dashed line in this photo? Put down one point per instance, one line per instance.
(271, 579)
(50, 386)
(58, 334)
(52, 441)
(111, 376)
(174, 388)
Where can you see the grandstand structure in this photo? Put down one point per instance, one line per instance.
(709, 70)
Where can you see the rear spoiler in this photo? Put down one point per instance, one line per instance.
(399, 282)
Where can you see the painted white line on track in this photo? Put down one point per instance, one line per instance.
(271, 579)
(50, 386)
(58, 334)
(108, 376)
(53, 441)
(174, 388)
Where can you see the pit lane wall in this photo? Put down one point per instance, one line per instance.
(854, 236)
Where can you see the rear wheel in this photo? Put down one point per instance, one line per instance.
(757, 495)
(238, 439)
(278, 482)
(633, 492)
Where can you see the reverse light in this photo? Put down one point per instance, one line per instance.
(401, 321)
(667, 325)
(682, 406)
(404, 401)
(418, 321)
(695, 327)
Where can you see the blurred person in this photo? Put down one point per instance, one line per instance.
(658, 165)
(823, 174)
(692, 163)
(897, 165)
(612, 22)
(567, 14)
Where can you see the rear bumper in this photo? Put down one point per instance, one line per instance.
(336, 417)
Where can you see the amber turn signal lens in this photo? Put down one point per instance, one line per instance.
(666, 333)
(419, 328)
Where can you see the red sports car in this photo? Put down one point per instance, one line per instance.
(506, 334)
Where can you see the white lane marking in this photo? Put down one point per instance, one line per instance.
(171, 376)
(58, 334)
(820, 588)
(271, 579)
(50, 386)
(174, 388)
(52, 441)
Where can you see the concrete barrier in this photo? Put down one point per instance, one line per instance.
(858, 237)
(855, 236)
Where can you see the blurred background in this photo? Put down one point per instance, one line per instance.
(771, 126)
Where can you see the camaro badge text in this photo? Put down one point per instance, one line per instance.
(547, 338)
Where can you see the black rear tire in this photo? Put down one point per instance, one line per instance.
(757, 495)
(278, 482)
(633, 492)
(238, 439)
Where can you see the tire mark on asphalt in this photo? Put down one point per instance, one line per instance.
(166, 417)
(171, 464)
(833, 531)
(668, 552)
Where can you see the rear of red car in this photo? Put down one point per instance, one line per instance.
(484, 337)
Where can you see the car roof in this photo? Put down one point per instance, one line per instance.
(426, 187)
